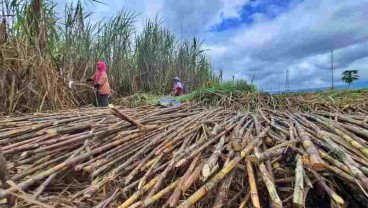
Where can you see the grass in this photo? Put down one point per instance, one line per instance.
(236, 85)
(212, 94)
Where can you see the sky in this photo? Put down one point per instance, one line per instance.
(262, 39)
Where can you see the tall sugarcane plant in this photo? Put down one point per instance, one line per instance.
(58, 47)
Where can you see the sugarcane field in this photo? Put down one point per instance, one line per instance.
(186, 104)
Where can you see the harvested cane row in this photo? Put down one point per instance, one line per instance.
(186, 156)
(346, 101)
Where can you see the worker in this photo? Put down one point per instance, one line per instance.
(101, 83)
(178, 87)
(209, 85)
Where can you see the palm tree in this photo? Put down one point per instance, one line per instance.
(349, 76)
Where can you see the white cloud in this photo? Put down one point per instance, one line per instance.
(300, 40)
(143, 8)
(231, 8)
(190, 18)
(216, 51)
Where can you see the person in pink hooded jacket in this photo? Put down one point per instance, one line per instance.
(178, 87)
(101, 83)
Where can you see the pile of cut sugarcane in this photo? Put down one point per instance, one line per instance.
(186, 156)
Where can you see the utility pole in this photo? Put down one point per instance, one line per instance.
(287, 84)
(181, 31)
(332, 70)
(181, 41)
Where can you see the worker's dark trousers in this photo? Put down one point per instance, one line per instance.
(102, 100)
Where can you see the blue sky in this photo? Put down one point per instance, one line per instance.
(248, 11)
(265, 37)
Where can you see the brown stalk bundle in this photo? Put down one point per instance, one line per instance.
(184, 157)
